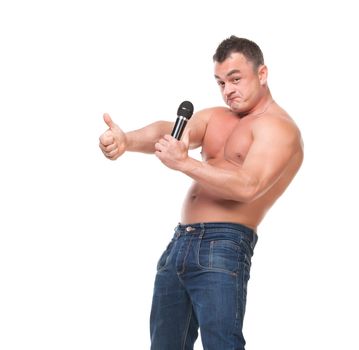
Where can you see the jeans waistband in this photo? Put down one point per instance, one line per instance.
(198, 228)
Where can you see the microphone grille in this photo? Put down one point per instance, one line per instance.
(185, 109)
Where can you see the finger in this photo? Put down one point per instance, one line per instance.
(163, 142)
(110, 148)
(107, 139)
(158, 146)
(102, 147)
(109, 153)
(111, 157)
(103, 144)
(108, 121)
(158, 155)
(112, 153)
(168, 137)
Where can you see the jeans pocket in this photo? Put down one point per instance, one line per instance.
(162, 262)
(223, 255)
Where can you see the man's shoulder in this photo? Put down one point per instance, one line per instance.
(277, 118)
(214, 110)
(278, 124)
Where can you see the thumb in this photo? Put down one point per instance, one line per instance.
(185, 138)
(108, 121)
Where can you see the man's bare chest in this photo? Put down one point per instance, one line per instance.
(227, 139)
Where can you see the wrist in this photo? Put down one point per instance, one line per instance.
(129, 141)
(189, 165)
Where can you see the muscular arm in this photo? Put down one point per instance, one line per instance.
(143, 140)
(275, 142)
(114, 142)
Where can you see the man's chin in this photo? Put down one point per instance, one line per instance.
(235, 107)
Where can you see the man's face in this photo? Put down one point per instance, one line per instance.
(239, 83)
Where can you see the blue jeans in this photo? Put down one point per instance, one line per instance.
(201, 282)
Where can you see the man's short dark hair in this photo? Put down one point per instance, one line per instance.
(249, 49)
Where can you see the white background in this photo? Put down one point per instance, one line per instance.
(80, 235)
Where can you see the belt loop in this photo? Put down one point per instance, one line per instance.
(177, 231)
(202, 230)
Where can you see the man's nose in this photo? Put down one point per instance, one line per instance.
(228, 89)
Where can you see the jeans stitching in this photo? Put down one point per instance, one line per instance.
(185, 257)
(210, 263)
(210, 268)
(187, 329)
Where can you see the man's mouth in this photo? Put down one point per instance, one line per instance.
(232, 99)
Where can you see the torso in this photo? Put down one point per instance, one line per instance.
(225, 145)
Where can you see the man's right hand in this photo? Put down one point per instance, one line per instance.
(113, 142)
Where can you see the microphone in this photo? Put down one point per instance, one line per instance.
(184, 113)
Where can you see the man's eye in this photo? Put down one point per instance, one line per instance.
(220, 83)
(236, 80)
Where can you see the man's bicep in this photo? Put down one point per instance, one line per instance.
(197, 127)
(269, 156)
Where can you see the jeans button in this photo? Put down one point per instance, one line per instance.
(189, 229)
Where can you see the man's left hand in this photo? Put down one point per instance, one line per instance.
(173, 153)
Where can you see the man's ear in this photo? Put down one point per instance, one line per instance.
(263, 74)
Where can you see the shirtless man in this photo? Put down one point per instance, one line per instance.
(251, 152)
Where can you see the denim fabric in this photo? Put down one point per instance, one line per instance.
(201, 282)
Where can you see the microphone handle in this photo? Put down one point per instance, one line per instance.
(179, 127)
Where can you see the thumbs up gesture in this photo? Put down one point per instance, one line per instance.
(113, 142)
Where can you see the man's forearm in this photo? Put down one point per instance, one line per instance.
(143, 140)
(227, 184)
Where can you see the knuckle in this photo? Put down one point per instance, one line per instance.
(102, 139)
